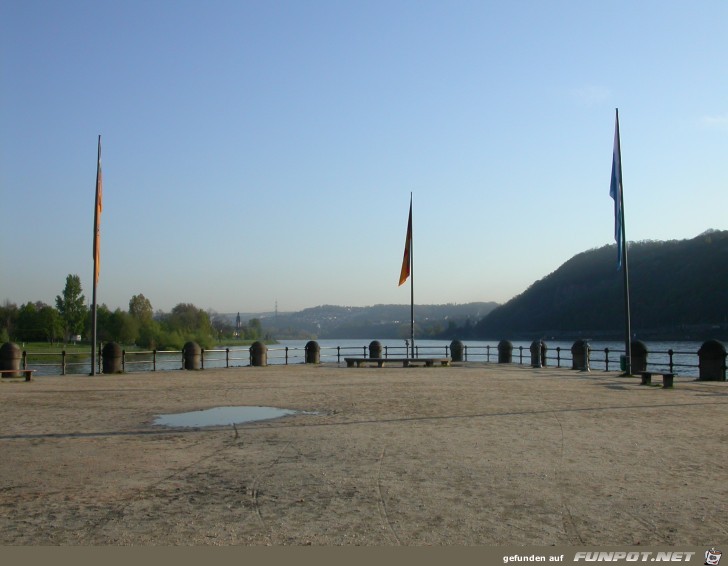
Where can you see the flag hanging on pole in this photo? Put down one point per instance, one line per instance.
(615, 191)
(97, 217)
(406, 260)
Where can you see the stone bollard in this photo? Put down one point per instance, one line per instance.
(258, 354)
(313, 352)
(192, 354)
(638, 353)
(711, 361)
(10, 356)
(457, 351)
(505, 352)
(580, 355)
(111, 358)
(375, 349)
(536, 349)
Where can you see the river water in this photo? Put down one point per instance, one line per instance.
(684, 358)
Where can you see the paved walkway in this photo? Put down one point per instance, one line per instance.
(474, 454)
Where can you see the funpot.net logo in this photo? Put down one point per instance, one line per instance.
(634, 556)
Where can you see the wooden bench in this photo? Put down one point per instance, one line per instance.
(28, 373)
(406, 362)
(667, 378)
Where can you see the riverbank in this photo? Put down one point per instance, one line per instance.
(476, 454)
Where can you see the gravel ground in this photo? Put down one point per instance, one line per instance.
(474, 454)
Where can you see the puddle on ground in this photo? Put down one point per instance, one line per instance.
(220, 416)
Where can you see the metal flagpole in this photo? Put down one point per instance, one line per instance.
(412, 285)
(625, 265)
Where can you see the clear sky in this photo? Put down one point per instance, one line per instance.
(263, 151)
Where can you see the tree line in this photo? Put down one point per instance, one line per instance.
(70, 320)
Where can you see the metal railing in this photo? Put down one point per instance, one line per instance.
(607, 359)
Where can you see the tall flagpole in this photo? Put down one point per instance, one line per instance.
(406, 272)
(622, 243)
(97, 243)
(412, 285)
(625, 270)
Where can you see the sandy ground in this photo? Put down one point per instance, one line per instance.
(468, 455)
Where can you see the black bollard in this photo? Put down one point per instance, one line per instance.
(711, 361)
(10, 356)
(192, 354)
(258, 354)
(457, 351)
(313, 352)
(111, 358)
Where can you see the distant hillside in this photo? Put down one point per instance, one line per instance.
(378, 321)
(678, 290)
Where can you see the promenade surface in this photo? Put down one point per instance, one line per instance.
(474, 454)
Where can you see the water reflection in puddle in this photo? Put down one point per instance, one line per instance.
(220, 416)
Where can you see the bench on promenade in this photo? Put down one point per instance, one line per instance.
(26, 372)
(406, 362)
(667, 378)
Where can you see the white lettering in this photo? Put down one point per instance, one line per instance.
(631, 556)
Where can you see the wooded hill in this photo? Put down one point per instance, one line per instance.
(678, 290)
(378, 321)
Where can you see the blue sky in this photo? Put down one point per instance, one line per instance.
(257, 152)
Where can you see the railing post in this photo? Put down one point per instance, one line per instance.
(487, 353)
(558, 356)
(63, 362)
(338, 354)
(154, 359)
(520, 355)
(606, 359)
(227, 357)
(25, 359)
(669, 353)
(465, 352)
(123, 361)
(364, 349)
(286, 355)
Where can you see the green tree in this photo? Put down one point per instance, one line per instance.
(27, 325)
(186, 322)
(141, 308)
(104, 330)
(126, 327)
(50, 322)
(187, 319)
(254, 329)
(71, 306)
(8, 319)
(150, 335)
(37, 322)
